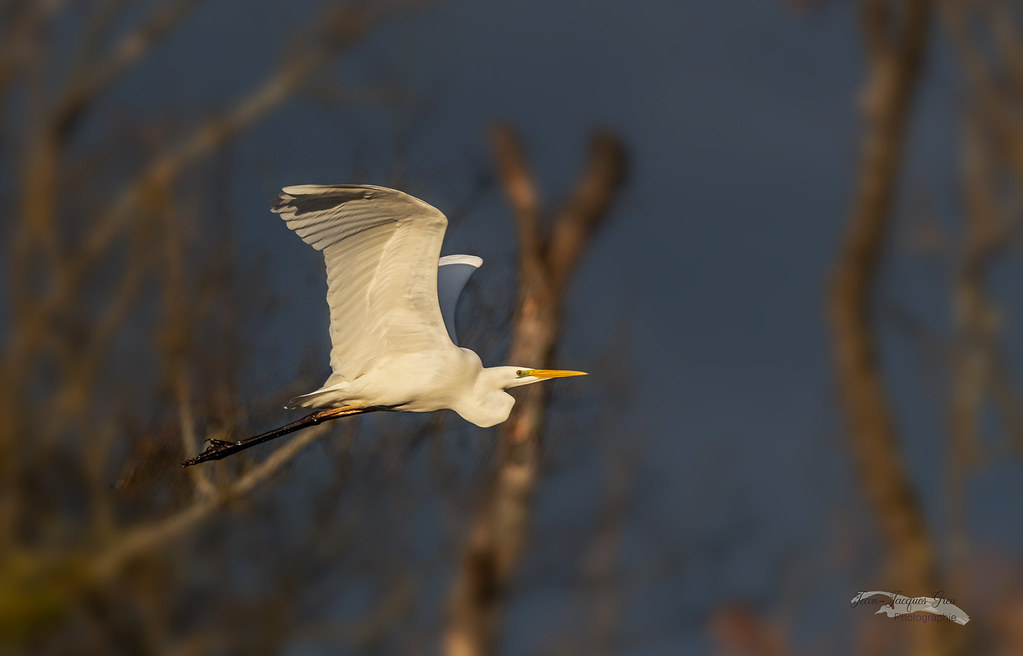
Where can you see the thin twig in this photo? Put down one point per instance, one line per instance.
(146, 538)
(84, 86)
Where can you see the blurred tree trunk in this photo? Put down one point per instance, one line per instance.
(119, 330)
(897, 36)
(498, 534)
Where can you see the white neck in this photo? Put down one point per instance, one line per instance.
(488, 404)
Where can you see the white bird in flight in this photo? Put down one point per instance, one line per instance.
(392, 346)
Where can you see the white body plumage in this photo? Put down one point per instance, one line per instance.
(390, 344)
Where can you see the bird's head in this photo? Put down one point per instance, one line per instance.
(517, 376)
(490, 404)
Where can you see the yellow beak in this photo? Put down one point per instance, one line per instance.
(554, 373)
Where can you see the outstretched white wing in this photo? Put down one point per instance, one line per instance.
(452, 273)
(381, 247)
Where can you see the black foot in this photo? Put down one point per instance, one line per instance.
(215, 450)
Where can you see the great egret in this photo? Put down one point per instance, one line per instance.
(386, 287)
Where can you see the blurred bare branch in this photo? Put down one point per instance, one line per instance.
(498, 534)
(897, 36)
(347, 26)
(123, 340)
(144, 538)
(90, 78)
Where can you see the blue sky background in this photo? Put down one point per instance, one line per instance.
(708, 279)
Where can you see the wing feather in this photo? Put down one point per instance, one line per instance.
(381, 248)
(452, 273)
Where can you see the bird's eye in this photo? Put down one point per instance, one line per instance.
(520, 373)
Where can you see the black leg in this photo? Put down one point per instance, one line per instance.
(217, 449)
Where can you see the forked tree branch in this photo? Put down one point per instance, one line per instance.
(498, 533)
